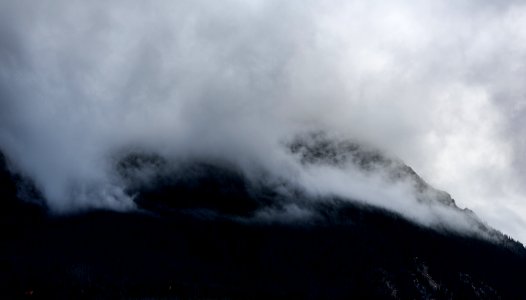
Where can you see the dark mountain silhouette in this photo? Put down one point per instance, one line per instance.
(206, 231)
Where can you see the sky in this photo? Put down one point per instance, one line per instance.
(437, 84)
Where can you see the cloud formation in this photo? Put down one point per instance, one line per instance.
(437, 84)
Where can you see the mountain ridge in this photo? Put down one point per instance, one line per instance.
(209, 235)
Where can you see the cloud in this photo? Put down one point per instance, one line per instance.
(437, 84)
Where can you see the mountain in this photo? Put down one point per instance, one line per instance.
(205, 231)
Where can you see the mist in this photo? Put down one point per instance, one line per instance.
(437, 85)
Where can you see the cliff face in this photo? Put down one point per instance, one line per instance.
(206, 231)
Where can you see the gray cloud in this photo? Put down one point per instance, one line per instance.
(437, 84)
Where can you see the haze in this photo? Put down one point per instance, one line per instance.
(438, 84)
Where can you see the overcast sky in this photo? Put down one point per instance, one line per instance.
(439, 84)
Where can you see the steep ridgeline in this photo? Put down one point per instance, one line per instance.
(318, 149)
(204, 230)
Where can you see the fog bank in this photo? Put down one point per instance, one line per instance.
(436, 84)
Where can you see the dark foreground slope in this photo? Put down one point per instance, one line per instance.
(212, 243)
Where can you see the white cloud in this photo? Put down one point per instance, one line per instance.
(438, 84)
